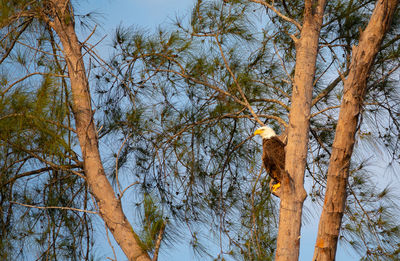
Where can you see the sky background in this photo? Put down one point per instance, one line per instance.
(148, 15)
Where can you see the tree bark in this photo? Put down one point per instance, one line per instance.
(293, 193)
(353, 94)
(109, 205)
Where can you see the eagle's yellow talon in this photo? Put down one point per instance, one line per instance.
(276, 186)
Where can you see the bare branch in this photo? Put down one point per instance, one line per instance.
(159, 239)
(34, 172)
(110, 244)
(54, 207)
(27, 76)
(90, 35)
(287, 108)
(324, 110)
(116, 162)
(371, 224)
(316, 137)
(246, 103)
(53, 165)
(276, 88)
(39, 50)
(272, 117)
(282, 63)
(327, 90)
(9, 49)
(216, 88)
(284, 17)
(34, 117)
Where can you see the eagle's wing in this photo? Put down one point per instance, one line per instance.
(274, 157)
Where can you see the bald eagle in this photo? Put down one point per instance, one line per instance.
(273, 156)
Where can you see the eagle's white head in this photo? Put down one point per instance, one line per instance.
(265, 132)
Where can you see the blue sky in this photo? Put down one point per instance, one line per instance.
(148, 15)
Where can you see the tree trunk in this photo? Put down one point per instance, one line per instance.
(293, 194)
(109, 205)
(353, 95)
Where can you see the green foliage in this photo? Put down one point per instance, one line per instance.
(27, 118)
(37, 158)
(371, 226)
(31, 132)
(153, 223)
(259, 224)
(188, 142)
(181, 93)
(178, 100)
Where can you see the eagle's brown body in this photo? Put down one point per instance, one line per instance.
(274, 157)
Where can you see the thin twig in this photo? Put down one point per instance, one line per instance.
(9, 49)
(54, 207)
(206, 84)
(323, 73)
(282, 62)
(276, 88)
(253, 212)
(159, 239)
(284, 17)
(368, 218)
(327, 90)
(92, 46)
(272, 117)
(109, 242)
(30, 173)
(90, 35)
(53, 164)
(287, 108)
(247, 104)
(37, 118)
(39, 50)
(324, 110)
(116, 162)
(122, 193)
(316, 137)
(27, 76)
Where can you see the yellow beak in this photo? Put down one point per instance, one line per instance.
(258, 131)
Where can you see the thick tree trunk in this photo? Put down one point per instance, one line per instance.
(353, 94)
(293, 194)
(109, 206)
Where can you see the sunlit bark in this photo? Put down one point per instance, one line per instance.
(109, 205)
(293, 193)
(353, 95)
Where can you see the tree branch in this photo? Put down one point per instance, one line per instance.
(54, 207)
(27, 76)
(328, 89)
(9, 49)
(247, 104)
(284, 17)
(158, 242)
(33, 172)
